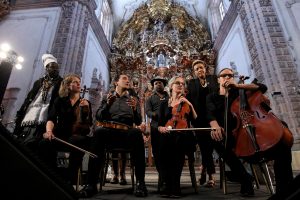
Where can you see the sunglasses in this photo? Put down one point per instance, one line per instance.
(228, 75)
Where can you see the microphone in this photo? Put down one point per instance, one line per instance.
(246, 77)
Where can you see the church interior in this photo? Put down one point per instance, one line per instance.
(97, 39)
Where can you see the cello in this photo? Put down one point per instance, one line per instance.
(257, 128)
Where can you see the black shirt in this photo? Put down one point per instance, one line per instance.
(197, 96)
(152, 106)
(64, 116)
(119, 111)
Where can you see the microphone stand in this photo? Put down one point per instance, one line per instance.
(226, 117)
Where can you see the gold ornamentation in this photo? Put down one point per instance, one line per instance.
(161, 38)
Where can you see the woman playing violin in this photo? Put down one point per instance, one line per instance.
(175, 113)
(69, 119)
(281, 153)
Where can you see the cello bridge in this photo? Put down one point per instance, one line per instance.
(246, 118)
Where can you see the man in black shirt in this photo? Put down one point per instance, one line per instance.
(117, 114)
(152, 111)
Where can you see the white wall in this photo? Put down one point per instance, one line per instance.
(30, 33)
(94, 57)
(234, 49)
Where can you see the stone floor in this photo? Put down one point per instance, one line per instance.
(111, 191)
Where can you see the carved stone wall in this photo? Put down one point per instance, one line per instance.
(69, 42)
(272, 60)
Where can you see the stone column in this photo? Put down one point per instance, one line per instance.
(71, 35)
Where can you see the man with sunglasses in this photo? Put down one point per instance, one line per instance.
(280, 153)
(32, 116)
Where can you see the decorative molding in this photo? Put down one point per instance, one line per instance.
(226, 25)
(289, 3)
(265, 3)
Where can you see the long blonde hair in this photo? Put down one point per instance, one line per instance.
(64, 86)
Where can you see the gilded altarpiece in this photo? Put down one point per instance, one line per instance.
(160, 39)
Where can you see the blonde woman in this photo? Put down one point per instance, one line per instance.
(65, 122)
(174, 145)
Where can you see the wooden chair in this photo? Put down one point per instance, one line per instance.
(108, 158)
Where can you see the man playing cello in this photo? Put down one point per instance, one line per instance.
(280, 152)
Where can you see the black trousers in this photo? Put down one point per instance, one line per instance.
(48, 153)
(234, 163)
(155, 134)
(206, 146)
(114, 138)
(31, 136)
(282, 156)
(173, 147)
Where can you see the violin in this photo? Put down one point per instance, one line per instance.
(82, 124)
(179, 116)
(257, 129)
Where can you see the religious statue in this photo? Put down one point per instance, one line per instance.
(161, 60)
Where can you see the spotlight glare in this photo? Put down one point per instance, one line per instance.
(18, 66)
(3, 55)
(5, 47)
(20, 59)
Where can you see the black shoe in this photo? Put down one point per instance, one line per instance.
(202, 179)
(88, 191)
(114, 180)
(123, 181)
(164, 191)
(176, 192)
(247, 188)
(141, 190)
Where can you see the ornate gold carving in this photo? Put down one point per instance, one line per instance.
(161, 38)
(159, 9)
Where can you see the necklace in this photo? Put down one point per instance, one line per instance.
(161, 96)
(203, 85)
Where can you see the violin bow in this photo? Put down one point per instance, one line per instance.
(191, 129)
(76, 147)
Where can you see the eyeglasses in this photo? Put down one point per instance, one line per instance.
(179, 83)
(228, 75)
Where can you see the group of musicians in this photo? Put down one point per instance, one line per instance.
(201, 104)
